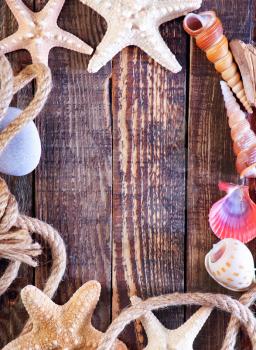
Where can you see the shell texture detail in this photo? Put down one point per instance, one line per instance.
(234, 216)
(245, 56)
(136, 22)
(207, 29)
(230, 263)
(61, 327)
(38, 32)
(242, 135)
(182, 338)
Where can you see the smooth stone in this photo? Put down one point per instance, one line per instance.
(22, 154)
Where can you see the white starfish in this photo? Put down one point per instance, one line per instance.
(136, 22)
(38, 32)
(182, 338)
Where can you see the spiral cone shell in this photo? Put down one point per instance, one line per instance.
(207, 29)
(242, 135)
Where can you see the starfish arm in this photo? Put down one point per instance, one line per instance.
(11, 43)
(71, 42)
(39, 51)
(102, 7)
(152, 327)
(52, 9)
(177, 4)
(27, 341)
(184, 336)
(113, 42)
(79, 309)
(167, 10)
(153, 44)
(19, 10)
(38, 305)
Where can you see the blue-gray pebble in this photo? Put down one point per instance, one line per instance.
(22, 154)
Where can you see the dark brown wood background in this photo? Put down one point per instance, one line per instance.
(130, 164)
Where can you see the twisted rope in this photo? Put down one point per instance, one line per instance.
(223, 302)
(229, 342)
(11, 85)
(6, 80)
(58, 251)
(15, 230)
(16, 244)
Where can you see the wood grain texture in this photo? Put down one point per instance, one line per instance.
(12, 311)
(210, 159)
(148, 178)
(73, 183)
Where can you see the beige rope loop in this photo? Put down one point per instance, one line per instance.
(8, 208)
(15, 244)
(58, 250)
(9, 86)
(6, 81)
(21, 247)
(229, 342)
(223, 302)
(57, 246)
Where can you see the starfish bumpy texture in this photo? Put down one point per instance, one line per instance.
(38, 32)
(136, 22)
(66, 327)
(182, 338)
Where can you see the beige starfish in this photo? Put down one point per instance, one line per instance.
(136, 22)
(66, 327)
(38, 32)
(182, 338)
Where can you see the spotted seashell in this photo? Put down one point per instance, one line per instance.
(230, 263)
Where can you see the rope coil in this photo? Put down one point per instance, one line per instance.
(17, 246)
(10, 85)
(240, 314)
(16, 243)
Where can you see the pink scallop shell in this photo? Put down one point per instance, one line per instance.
(234, 216)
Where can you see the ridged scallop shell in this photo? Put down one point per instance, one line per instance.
(207, 29)
(230, 263)
(234, 216)
(242, 135)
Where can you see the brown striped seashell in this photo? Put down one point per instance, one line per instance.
(242, 135)
(244, 142)
(241, 162)
(250, 170)
(207, 29)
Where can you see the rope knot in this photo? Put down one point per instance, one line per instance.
(15, 244)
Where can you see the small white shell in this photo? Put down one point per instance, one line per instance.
(230, 263)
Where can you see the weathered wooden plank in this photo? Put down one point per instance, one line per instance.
(148, 178)
(74, 180)
(13, 315)
(210, 159)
